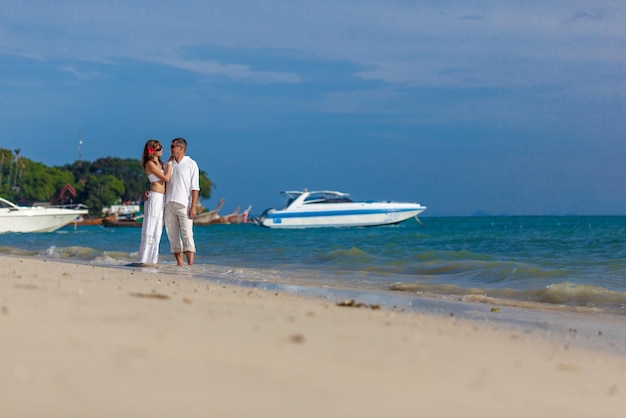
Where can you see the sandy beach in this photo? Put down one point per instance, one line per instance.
(87, 341)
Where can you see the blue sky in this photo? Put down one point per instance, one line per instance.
(497, 107)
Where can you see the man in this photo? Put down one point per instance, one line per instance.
(181, 198)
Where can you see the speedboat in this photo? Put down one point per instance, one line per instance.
(327, 208)
(15, 218)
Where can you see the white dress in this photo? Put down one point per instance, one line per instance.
(152, 227)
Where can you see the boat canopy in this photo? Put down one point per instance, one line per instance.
(317, 196)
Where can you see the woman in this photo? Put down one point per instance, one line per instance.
(153, 206)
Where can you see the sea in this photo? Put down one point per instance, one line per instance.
(551, 262)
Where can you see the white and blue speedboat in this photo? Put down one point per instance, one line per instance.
(326, 208)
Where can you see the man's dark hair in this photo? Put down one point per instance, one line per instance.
(180, 141)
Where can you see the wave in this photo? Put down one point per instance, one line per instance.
(463, 268)
(83, 253)
(563, 294)
(73, 253)
(17, 251)
(577, 294)
(352, 255)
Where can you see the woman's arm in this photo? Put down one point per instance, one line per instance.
(156, 170)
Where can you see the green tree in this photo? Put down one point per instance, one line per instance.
(206, 185)
(24, 181)
(127, 169)
(40, 183)
(132, 173)
(100, 191)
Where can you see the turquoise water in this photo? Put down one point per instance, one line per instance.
(569, 261)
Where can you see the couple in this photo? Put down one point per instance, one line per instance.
(174, 204)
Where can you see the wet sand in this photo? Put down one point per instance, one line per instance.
(86, 341)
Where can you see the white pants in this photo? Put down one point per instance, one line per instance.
(179, 228)
(151, 229)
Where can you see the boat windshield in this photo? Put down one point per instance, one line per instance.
(6, 204)
(326, 198)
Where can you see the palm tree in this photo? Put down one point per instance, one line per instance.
(17, 160)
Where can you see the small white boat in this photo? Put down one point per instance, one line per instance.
(326, 208)
(15, 218)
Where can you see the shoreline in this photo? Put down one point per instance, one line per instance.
(81, 340)
(582, 325)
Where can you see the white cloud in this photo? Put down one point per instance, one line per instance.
(236, 72)
(81, 75)
(498, 43)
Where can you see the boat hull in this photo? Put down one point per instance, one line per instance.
(36, 219)
(122, 223)
(362, 215)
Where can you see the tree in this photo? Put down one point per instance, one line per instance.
(26, 181)
(129, 170)
(101, 191)
(39, 183)
(206, 185)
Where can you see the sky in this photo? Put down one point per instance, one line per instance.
(468, 107)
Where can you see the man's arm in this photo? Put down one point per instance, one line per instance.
(194, 204)
(195, 189)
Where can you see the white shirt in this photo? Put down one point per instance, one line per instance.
(185, 178)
